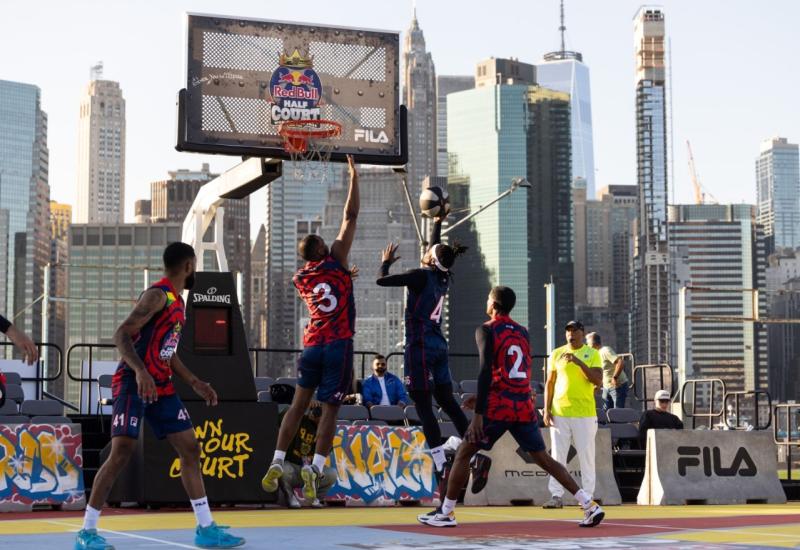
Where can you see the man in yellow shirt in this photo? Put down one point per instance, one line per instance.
(575, 369)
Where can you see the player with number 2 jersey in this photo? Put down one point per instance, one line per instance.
(504, 399)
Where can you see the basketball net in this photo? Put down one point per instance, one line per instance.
(310, 144)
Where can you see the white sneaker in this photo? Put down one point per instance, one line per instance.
(442, 520)
(592, 515)
(423, 518)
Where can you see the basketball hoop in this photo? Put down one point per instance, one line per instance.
(309, 141)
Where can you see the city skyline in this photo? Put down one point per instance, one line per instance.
(701, 113)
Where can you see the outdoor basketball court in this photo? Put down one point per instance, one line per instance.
(708, 527)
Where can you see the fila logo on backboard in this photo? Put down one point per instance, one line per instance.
(370, 136)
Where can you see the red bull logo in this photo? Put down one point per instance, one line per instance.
(295, 88)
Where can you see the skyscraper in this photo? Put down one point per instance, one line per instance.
(565, 71)
(497, 133)
(24, 204)
(721, 246)
(101, 154)
(651, 261)
(419, 95)
(778, 192)
(604, 298)
(446, 84)
(257, 324)
(60, 222)
(110, 265)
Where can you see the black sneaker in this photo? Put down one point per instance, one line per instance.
(479, 468)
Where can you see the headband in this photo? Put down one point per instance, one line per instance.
(436, 259)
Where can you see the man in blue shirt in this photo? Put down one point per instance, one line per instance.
(383, 388)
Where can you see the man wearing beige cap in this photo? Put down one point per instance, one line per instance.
(659, 418)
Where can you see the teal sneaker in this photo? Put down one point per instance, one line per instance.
(214, 536)
(88, 539)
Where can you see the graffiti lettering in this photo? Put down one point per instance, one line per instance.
(40, 464)
(235, 448)
(373, 462)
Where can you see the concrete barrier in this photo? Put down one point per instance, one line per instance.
(515, 479)
(710, 467)
(41, 464)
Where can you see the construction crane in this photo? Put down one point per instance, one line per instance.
(700, 193)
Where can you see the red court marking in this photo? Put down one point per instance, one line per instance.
(555, 529)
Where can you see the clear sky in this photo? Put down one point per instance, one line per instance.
(736, 72)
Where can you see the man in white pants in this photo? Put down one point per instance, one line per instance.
(575, 369)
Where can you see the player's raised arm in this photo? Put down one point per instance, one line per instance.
(414, 279)
(340, 248)
(435, 236)
(150, 302)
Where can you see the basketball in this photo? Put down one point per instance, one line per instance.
(433, 202)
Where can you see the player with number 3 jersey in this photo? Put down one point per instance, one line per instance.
(326, 365)
(427, 372)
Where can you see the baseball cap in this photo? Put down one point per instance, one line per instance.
(574, 325)
(662, 394)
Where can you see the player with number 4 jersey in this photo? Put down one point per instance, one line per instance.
(427, 372)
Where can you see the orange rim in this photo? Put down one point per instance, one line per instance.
(296, 137)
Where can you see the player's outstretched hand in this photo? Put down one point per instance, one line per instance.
(389, 253)
(30, 352)
(204, 390)
(351, 166)
(146, 386)
(474, 433)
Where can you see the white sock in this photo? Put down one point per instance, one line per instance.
(319, 461)
(583, 498)
(202, 511)
(438, 457)
(278, 456)
(90, 518)
(448, 506)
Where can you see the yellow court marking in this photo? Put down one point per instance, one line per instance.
(332, 517)
(782, 536)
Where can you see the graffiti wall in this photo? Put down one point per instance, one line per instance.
(381, 464)
(40, 464)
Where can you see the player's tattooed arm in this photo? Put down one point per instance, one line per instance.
(201, 388)
(484, 341)
(340, 248)
(150, 302)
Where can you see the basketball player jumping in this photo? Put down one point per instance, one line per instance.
(427, 372)
(326, 285)
(504, 398)
(142, 389)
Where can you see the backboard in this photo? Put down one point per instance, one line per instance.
(246, 76)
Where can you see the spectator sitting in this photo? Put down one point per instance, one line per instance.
(383, 388)
(659, 418)
(300, 452)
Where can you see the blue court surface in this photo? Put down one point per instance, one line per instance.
(502, 528)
